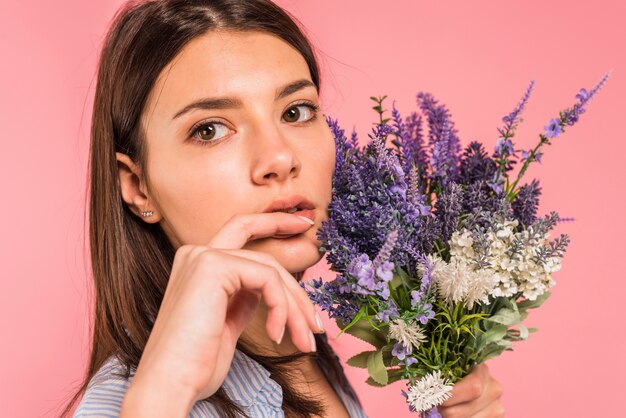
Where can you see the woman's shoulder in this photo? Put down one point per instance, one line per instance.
(105, 391)
(247, 383)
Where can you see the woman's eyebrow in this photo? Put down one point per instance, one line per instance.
(234, 102)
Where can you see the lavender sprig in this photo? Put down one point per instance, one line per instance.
(504, 152)
(555, 127)
(443, 141)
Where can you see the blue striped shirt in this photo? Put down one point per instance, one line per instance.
(247, 383)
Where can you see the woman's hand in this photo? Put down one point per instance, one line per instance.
(477, 395)
(212, 294)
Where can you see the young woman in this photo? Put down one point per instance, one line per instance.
(206, 135)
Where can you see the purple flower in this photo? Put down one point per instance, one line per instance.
(342, 284)
(526, 155)
(583, 96)
(504, 150)
(410, 141)
(432, 413)
(426, 313)
(318, 296)
(408, 361)
(526, 203)
(400, 351)
(387, 163)
(476, 165)
(448, 209)
(381, 131)
(512, 117)
(383, 290)
(496, 183)
(385, 252)
(361, 268)
(387, 314)
(442, 136)
(385, 271)
(553, 128)
(415, 298)
(504, 146)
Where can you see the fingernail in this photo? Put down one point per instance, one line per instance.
(307, 220)
(312, 339)
(280, 339)
(319, 323)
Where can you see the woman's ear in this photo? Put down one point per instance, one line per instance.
(134, 190)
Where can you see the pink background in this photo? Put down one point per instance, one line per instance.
(475, 56)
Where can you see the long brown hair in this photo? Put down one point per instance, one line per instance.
(131, 260)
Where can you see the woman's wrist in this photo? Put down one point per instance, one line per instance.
(157, 397)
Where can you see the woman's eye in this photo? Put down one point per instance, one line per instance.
(293, 114)
(209, 131)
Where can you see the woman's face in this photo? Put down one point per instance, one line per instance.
(261, 142)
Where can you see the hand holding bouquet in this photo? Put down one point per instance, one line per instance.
(439, 251)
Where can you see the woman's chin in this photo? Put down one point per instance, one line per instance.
(295, 254)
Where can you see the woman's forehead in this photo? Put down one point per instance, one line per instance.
(248, 65)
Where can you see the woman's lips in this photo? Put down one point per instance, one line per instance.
(307, 213)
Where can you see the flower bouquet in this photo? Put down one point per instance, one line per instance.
(439, 251)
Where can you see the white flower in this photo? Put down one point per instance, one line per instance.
(482, 283)
(505, 285)
(410, 335)
(431, 390)
(516, 271)
(451, 279)
(461, 244)
(512, 265)
(460, 281)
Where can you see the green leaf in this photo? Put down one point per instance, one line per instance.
(394, 376)
(493, 334)
(496, 333)
(523, 332)
(372, 382)
(376, 368)
(364, 331)
(395, 282)
(492, 350)
(344, 327)
(360, 360)
(532, 304)
(505, 316)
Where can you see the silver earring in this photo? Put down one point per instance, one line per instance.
(147, 213)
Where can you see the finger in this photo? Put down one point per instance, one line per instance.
(243, 228)
(493, 410)
(301, 334)
(468, 388)
(289, 313)
(300, 319)
(241, 273)
(302, 299)
(241, 310)
(491, 393)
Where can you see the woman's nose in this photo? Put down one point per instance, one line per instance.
(274, 158)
